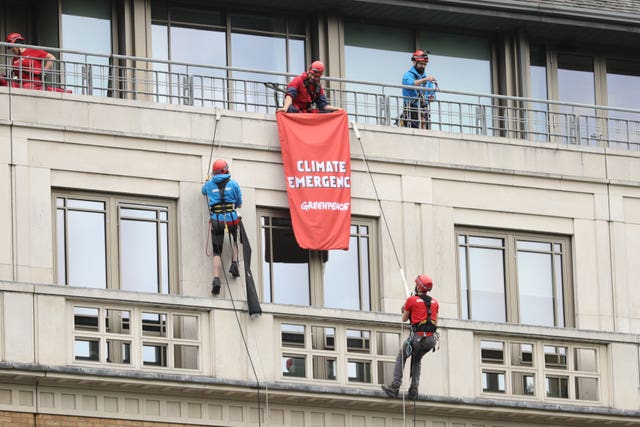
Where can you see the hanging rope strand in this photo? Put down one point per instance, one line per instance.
(235, 312)
(382, 214)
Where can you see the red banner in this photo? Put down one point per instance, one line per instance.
(317, 169)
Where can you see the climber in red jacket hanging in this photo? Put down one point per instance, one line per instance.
(305, 93)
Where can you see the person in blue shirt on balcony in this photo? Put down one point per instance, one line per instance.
(224, 197)
(416, 101)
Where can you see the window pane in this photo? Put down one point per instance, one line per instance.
(292, 335)
(492, 351)
(61, 247)
(138, 213)
(523, 383)
(198, 46)
(623, 91)
(164, 258)
(459, 62)
(118, 352)
(185, 356)
(486, 241)
(521, 354)
(138, 256)
(462, 278)
(358, 341)
(323, 338)
(555, 357)
(535, 286)
(493, 382)
(585, 360)
(385, 372)
(364, 272)
(93, 21)
(86, 249)
(117, 321)
(486, 269)
(390, 46)
(341, 279)
(154, 324)
(559, 285)
(387, 343)
(534, 246)
(359, 371)
(154, 354)
(85, 319)
(185, 327)
(294, 366)
(85, 205)
(576, 83)
(538, 78)
(324, 368)
(557, 387)
(587, 388)
(285, 266)
(87, 349)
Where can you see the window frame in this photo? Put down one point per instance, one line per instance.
(316, 281)
(541, 369)
(135, 337)
(510, 266)
(112, 217)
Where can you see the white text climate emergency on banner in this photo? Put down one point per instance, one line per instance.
(320, 181)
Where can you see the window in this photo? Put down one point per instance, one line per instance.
(219, 37)
(513, 367)
(136, 337)
(309, 352)
(335, 279)
(459, 62)
(109, 242)
(518, 278)
(584, 77)
(623, 91)
(86, 74)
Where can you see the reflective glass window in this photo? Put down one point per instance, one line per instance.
(335, 279)
(576, 84)
(86, 27)
(492, 271)
(623, 91)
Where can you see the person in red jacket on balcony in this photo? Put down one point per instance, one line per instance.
(422, 311)
(27, 65)
(305, 93)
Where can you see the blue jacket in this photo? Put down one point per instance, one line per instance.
(409, 78)
(232, 194)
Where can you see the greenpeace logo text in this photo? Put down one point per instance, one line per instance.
(324, 206)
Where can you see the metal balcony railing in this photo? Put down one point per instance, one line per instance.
(249, 90)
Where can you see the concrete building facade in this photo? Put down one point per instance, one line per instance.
(531, 236)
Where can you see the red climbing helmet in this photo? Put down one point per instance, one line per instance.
(420, 56)
(317, 67)
(14, 37)
(219, 167)
(424, 283)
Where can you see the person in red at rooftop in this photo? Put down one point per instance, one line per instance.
(422, 311)
(305, 93)
(27, 65)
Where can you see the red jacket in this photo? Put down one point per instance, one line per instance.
(304, 93)
(28, 66)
